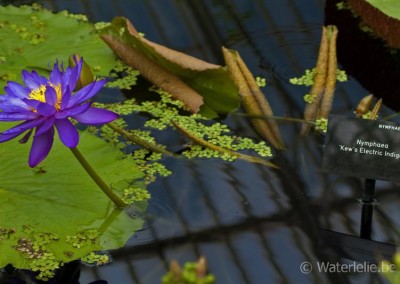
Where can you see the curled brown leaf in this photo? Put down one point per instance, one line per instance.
(253, 100)
(128, 51)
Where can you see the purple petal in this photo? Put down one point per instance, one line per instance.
(16, 90)
(10, 104)
(33, 80)
(55, 75)
(67, 132)
(86, 93)
(22, 127)
(41, 146)
(26, 137)
(32, 103)
(96, 116)
(66, 95)
(72, 111)
(46, 109)
(18, 116)
(45, 126)
(6, 137)
(75, 74)
(50, 95)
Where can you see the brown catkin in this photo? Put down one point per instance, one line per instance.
(262, 102)
(364, 105)
(327, 98)
(249, 101)
(376, 109)
(317, 89)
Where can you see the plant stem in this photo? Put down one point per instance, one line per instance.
(97, 179)
(139, 141)
(278, 118)
(222, 150)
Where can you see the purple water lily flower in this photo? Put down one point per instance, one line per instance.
(45, 104)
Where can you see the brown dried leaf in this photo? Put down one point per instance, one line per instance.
(155, 73)
(193, 81)
(180, 58)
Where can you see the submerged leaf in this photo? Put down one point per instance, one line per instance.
(56, 212)
(184, 77)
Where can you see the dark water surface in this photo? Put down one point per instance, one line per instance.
(254, 225)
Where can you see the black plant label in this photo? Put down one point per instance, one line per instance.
(362, 148)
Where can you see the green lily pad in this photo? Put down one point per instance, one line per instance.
(32, 37)
(55, 213)
(388, 7)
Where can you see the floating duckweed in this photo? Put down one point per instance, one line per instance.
(124, 76)
(96, 259)
(34, 248)
(6, 233)
(83, 238)
(107, 133)
(37, 38)
(165, 113)
(24, 35)
(45, 265)
(149, 165)
(35, 6)
(341, 75)
(17, 29)
(79, 17)
(133, 194)
(143, 158)
(36, 22)
(307, 79)
(261, 82)
(101, 25)
(309, 98)
(125, 108)
(321, 125)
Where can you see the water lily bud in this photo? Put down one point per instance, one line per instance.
(201, 267)
(364, 105)
(86, 76)
(176, 270)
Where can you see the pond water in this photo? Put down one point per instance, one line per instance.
(254, 225)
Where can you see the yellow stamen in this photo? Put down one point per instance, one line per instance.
(39, 94)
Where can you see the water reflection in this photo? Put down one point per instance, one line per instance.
(253, 224)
